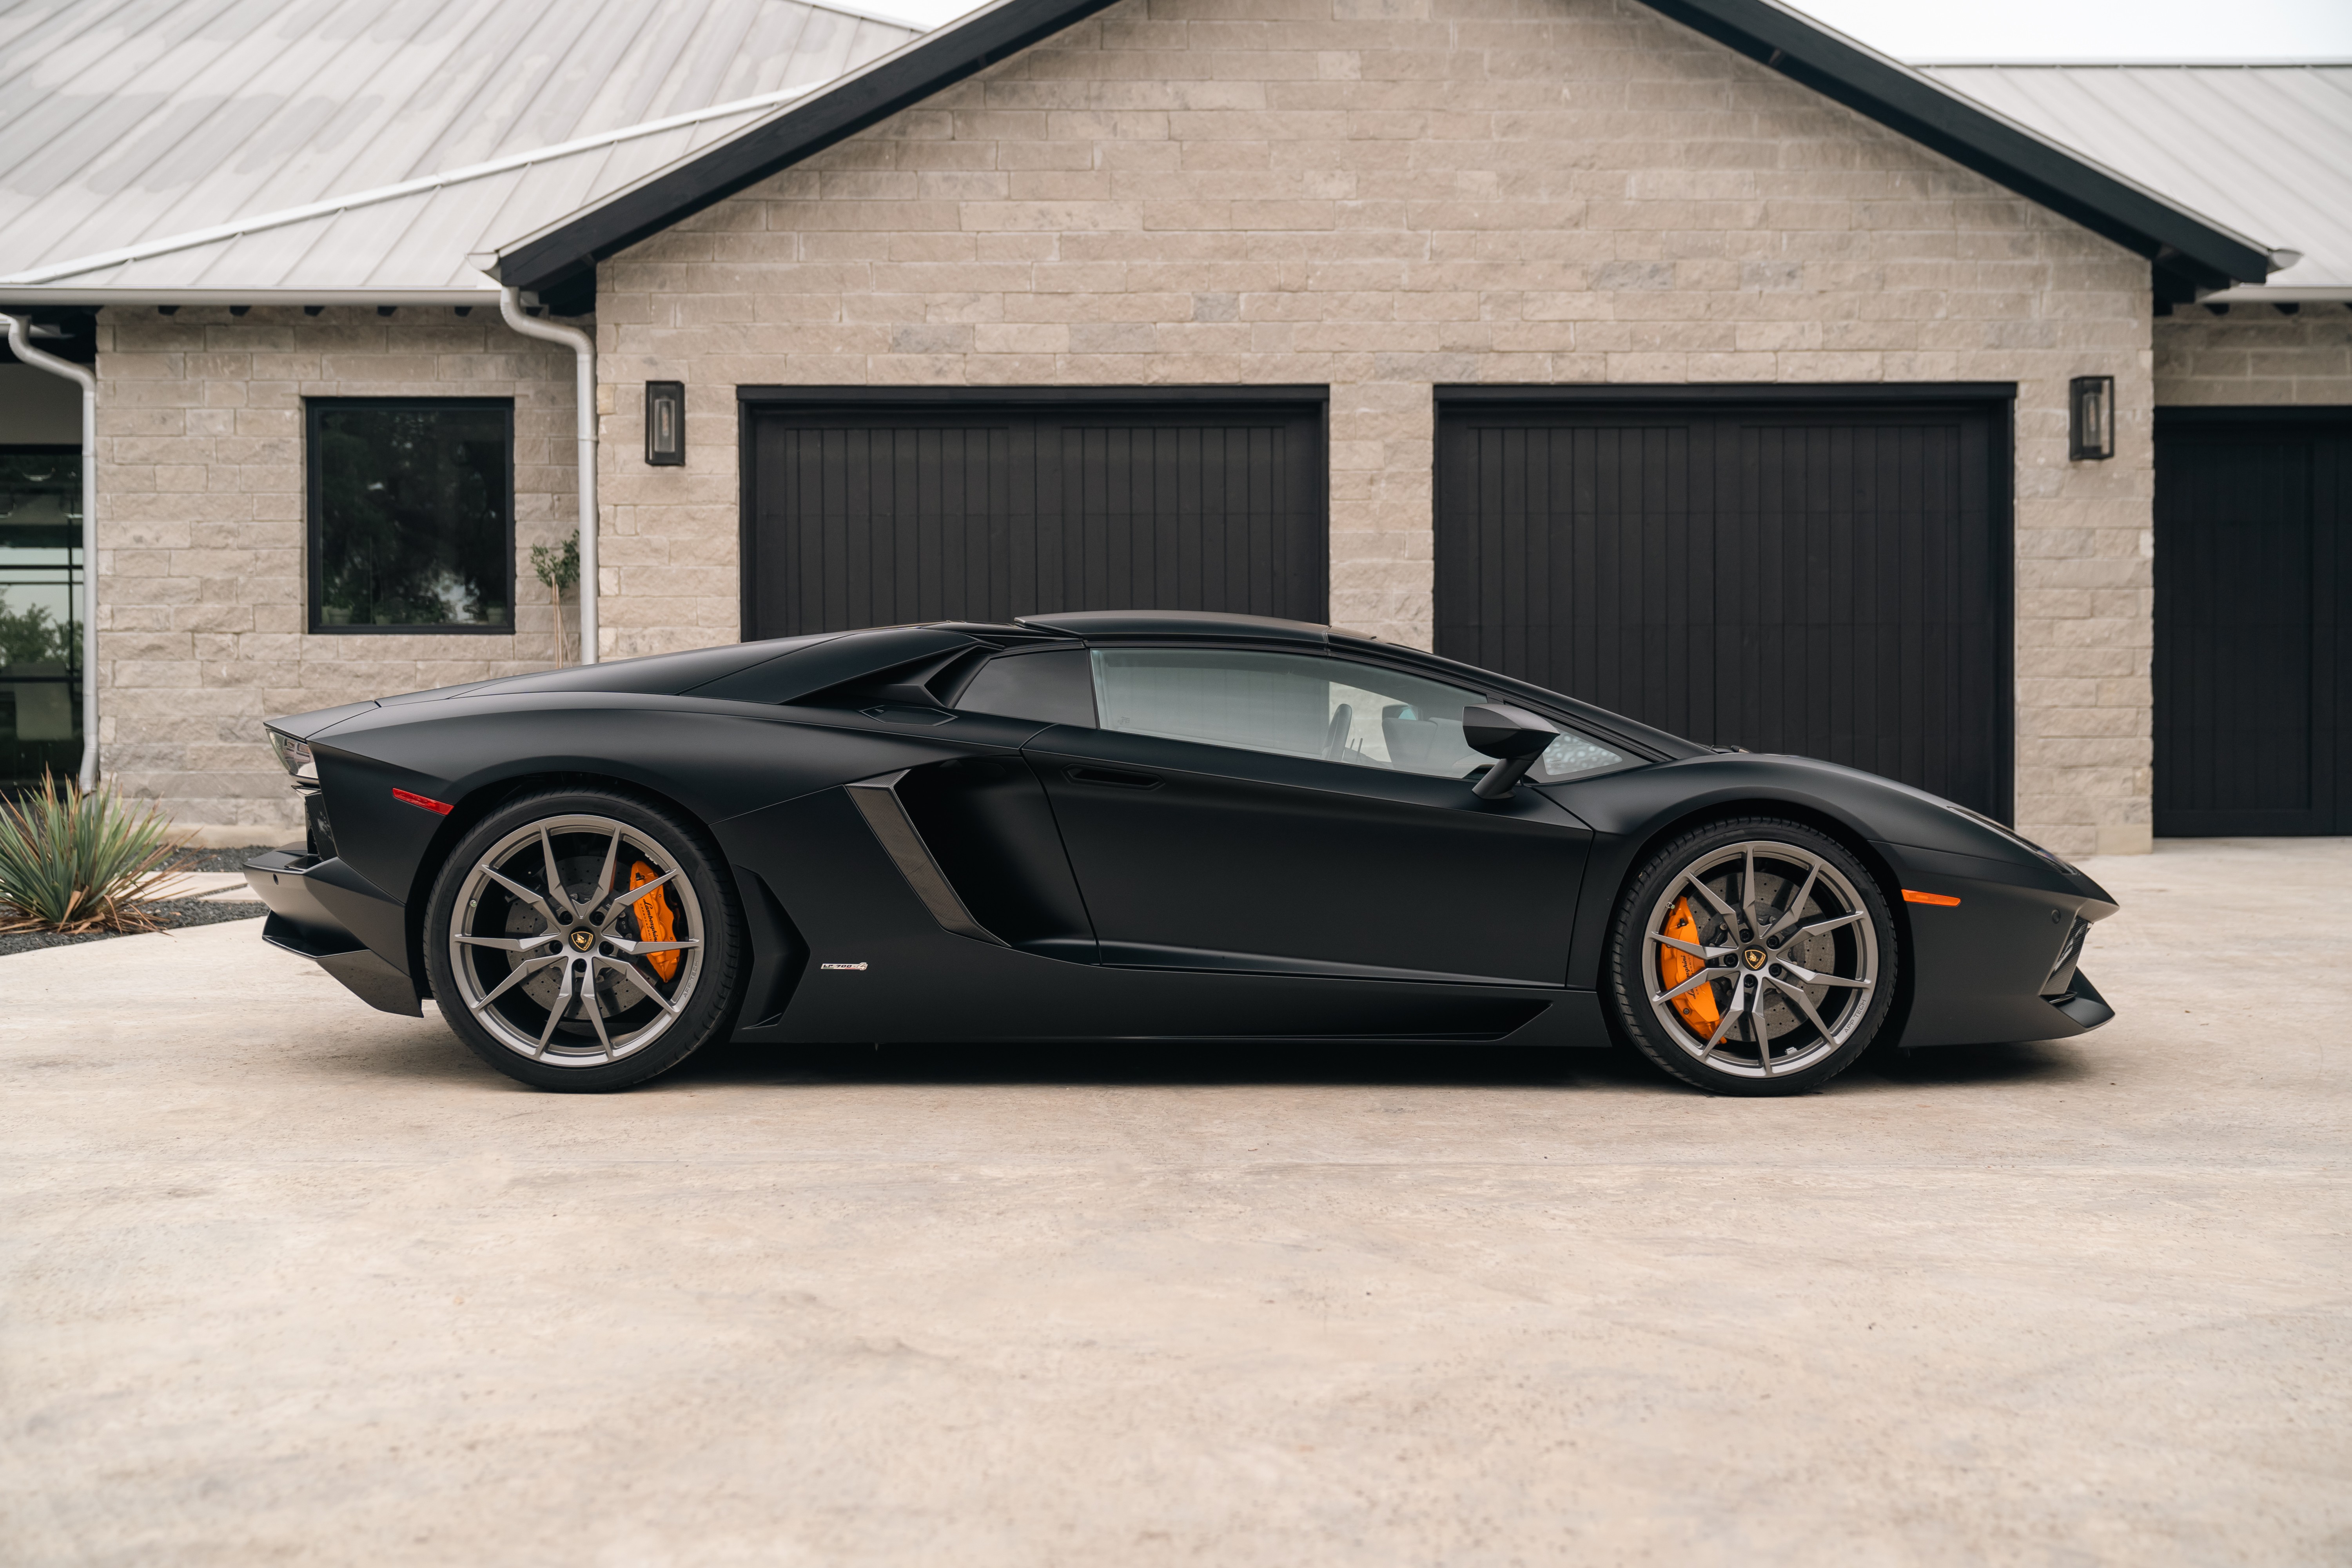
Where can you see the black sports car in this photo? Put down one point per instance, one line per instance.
(1139, 825)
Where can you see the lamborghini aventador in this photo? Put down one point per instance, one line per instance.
(1147, 825)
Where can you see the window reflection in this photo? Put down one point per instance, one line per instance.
(40, 613)
(412, 525)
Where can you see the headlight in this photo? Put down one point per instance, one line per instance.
(295, 757)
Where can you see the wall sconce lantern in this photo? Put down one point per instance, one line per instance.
(2091, 419)
(665, 423)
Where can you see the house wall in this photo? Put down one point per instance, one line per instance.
(201, 536)
(1379, 195)
(2255, 355)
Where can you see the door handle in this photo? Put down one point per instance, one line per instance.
(1112, 778)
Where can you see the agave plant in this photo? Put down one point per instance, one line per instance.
(73, 862)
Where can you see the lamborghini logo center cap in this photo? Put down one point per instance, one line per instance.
(1753, 958)
(583, 940)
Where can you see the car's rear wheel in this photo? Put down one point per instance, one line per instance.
(1753, 957)
(581, 940)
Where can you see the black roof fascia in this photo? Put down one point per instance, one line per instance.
(79, 344)
(1803, 52)
(896, 82)
(1792, 43)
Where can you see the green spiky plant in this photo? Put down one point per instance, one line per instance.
(76, 862)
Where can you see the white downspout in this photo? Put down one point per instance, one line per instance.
(583, 349)
(39, 359)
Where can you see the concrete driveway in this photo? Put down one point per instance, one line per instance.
(288, 1280)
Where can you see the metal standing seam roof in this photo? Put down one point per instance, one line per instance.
(2266, 148)
(129, 120)
(404, 244)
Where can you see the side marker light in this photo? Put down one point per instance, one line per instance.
(442, 808)
(1937, 899)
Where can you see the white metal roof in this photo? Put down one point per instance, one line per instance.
(131, 120)
(403, 244)
(2265, 149)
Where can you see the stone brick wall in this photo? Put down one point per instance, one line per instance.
(202, 589)
(1378, 196)
(2255, 355)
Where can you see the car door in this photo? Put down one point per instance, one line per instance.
(1278, 811)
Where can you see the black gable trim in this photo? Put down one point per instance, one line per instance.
(1791, 44)
(897, 81)
(1933, 117)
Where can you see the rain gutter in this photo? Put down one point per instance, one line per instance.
(42, 296)
(25, 353)
(583, 349)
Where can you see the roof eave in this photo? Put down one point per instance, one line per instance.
(36, 296)
(2277, 294)
(1977, 138)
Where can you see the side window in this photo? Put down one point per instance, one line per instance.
(1292, 705)
(1055, 687)
(412, 515)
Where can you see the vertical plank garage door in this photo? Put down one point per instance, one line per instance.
(1830, 578)
(861, 510)
(2253, 591)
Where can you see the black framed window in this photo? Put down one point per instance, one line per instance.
(412, 514)
(40, 613)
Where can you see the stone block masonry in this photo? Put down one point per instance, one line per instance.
(1378, 196)
(202, 605)
(2255, 356)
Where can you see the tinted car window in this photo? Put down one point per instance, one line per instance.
(1054, 686)
(1289, 704)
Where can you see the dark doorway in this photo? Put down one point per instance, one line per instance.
(2253, 591)
(874, 509)
(1816, 571)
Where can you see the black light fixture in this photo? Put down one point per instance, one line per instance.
(2091, 419)
(665, 423)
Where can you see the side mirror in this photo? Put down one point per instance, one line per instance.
(1513, 736)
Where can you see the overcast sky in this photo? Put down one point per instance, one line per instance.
(2030, 29)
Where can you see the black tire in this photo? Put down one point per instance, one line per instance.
(1686, 962)
(666, 902)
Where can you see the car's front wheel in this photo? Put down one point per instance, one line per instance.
(581, 940)
(1755, 957)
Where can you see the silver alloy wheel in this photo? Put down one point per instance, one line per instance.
(555, 951)
(1775, 968)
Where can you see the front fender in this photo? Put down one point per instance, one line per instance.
(1894, 829)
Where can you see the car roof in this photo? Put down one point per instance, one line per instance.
(1093, 624)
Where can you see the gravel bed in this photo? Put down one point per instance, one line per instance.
(174, 912)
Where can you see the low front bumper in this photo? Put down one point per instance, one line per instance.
(2081, 1002)
(313, 905)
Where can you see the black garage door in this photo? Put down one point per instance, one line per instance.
(1830, 578)
(2253, 595)
(862, 510)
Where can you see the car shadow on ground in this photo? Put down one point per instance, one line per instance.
(1432, 1064)
(430, 1052)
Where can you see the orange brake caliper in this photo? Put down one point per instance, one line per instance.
(1698, 1007)
(654, 921)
